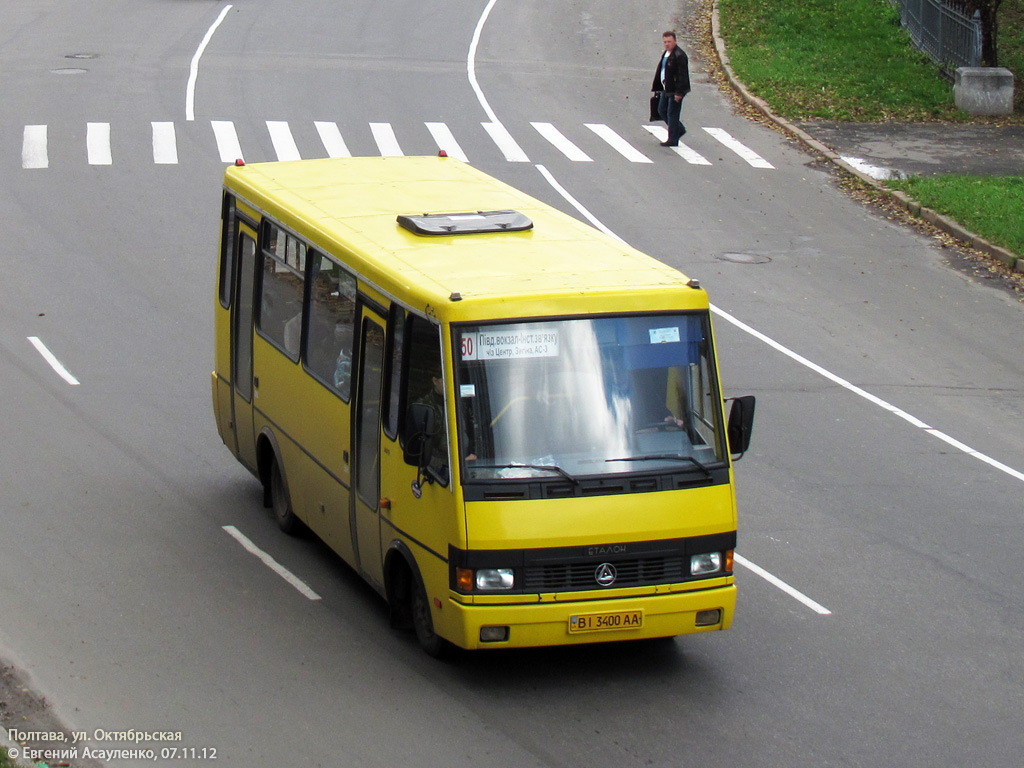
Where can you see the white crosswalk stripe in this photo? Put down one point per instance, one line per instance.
(619, 144)
(561, 143)
(446, 141)
(35, 153)
(740, 149)
(332, 139)
(689, 155)
(165, 145)
(227, 141)
(97, 142)
(386, 140)
(508, 146)
(283, 141)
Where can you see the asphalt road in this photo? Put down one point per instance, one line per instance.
(884, 485)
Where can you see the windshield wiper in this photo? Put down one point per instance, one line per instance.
(517, 465)
(666, 457)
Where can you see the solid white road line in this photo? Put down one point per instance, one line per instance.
(740, 149)
(284, 143)
(976, 454)
(471, 65)
(193, 72)
(508, 146)
(49, 357)
(575, 203)
(33, 147)
(387, 143)
(227, 141)
(776, 581)
(97, 142)
(165, 146)
(332, 139)
(619, 144)
(561, 143)
(271, 563)
(689, 155)
(446, 141)
(910, 419)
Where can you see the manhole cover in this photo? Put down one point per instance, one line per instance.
(744, 258)
(69, 71)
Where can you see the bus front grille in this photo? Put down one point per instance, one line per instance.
(638, 572)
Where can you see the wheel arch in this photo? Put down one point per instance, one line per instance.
(401, 574)
(268, 451)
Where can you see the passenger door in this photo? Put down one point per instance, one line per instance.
(366, 443)
(241, 345)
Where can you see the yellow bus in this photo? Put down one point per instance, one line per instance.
(509, 423)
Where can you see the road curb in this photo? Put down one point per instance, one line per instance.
(914, 208)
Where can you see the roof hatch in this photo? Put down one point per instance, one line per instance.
(466, 223)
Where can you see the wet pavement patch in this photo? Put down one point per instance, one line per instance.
(744, 258)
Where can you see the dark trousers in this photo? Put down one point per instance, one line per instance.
(670, 109)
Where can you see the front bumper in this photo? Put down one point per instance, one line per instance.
(543, 624)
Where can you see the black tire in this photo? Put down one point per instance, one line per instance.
(423, 623)
(281, 503)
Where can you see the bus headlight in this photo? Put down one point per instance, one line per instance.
(494, 579)
(702, 565)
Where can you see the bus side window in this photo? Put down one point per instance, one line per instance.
(283, 284)
(424, 385)
(332, 312)
(227, 249)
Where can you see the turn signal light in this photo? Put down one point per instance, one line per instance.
(464, 579)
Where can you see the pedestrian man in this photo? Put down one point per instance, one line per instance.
(672, 82)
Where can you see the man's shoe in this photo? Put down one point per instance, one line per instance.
(667, 144)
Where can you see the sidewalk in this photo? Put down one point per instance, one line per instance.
(892, 150)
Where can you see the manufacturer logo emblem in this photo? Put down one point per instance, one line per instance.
(605, 574)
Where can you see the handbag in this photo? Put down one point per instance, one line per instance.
(655, 115)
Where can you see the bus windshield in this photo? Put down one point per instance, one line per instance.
(559, 399)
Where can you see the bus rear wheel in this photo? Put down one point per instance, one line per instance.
(281, 503)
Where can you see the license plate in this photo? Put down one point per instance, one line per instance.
(595, 622)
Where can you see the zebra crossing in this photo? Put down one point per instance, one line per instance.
(98, 149)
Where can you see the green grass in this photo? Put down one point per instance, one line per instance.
(989, 206)
(845, 60)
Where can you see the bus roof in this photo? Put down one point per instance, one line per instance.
(349, 207)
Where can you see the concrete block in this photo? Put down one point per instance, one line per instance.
(984, 90)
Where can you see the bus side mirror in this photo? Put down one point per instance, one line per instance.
(420, 427)
(741, 422)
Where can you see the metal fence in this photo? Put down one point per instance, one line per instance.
(944, 31)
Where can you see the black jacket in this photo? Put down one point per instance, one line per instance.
(677, 74)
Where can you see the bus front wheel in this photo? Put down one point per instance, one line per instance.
(423, 623)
